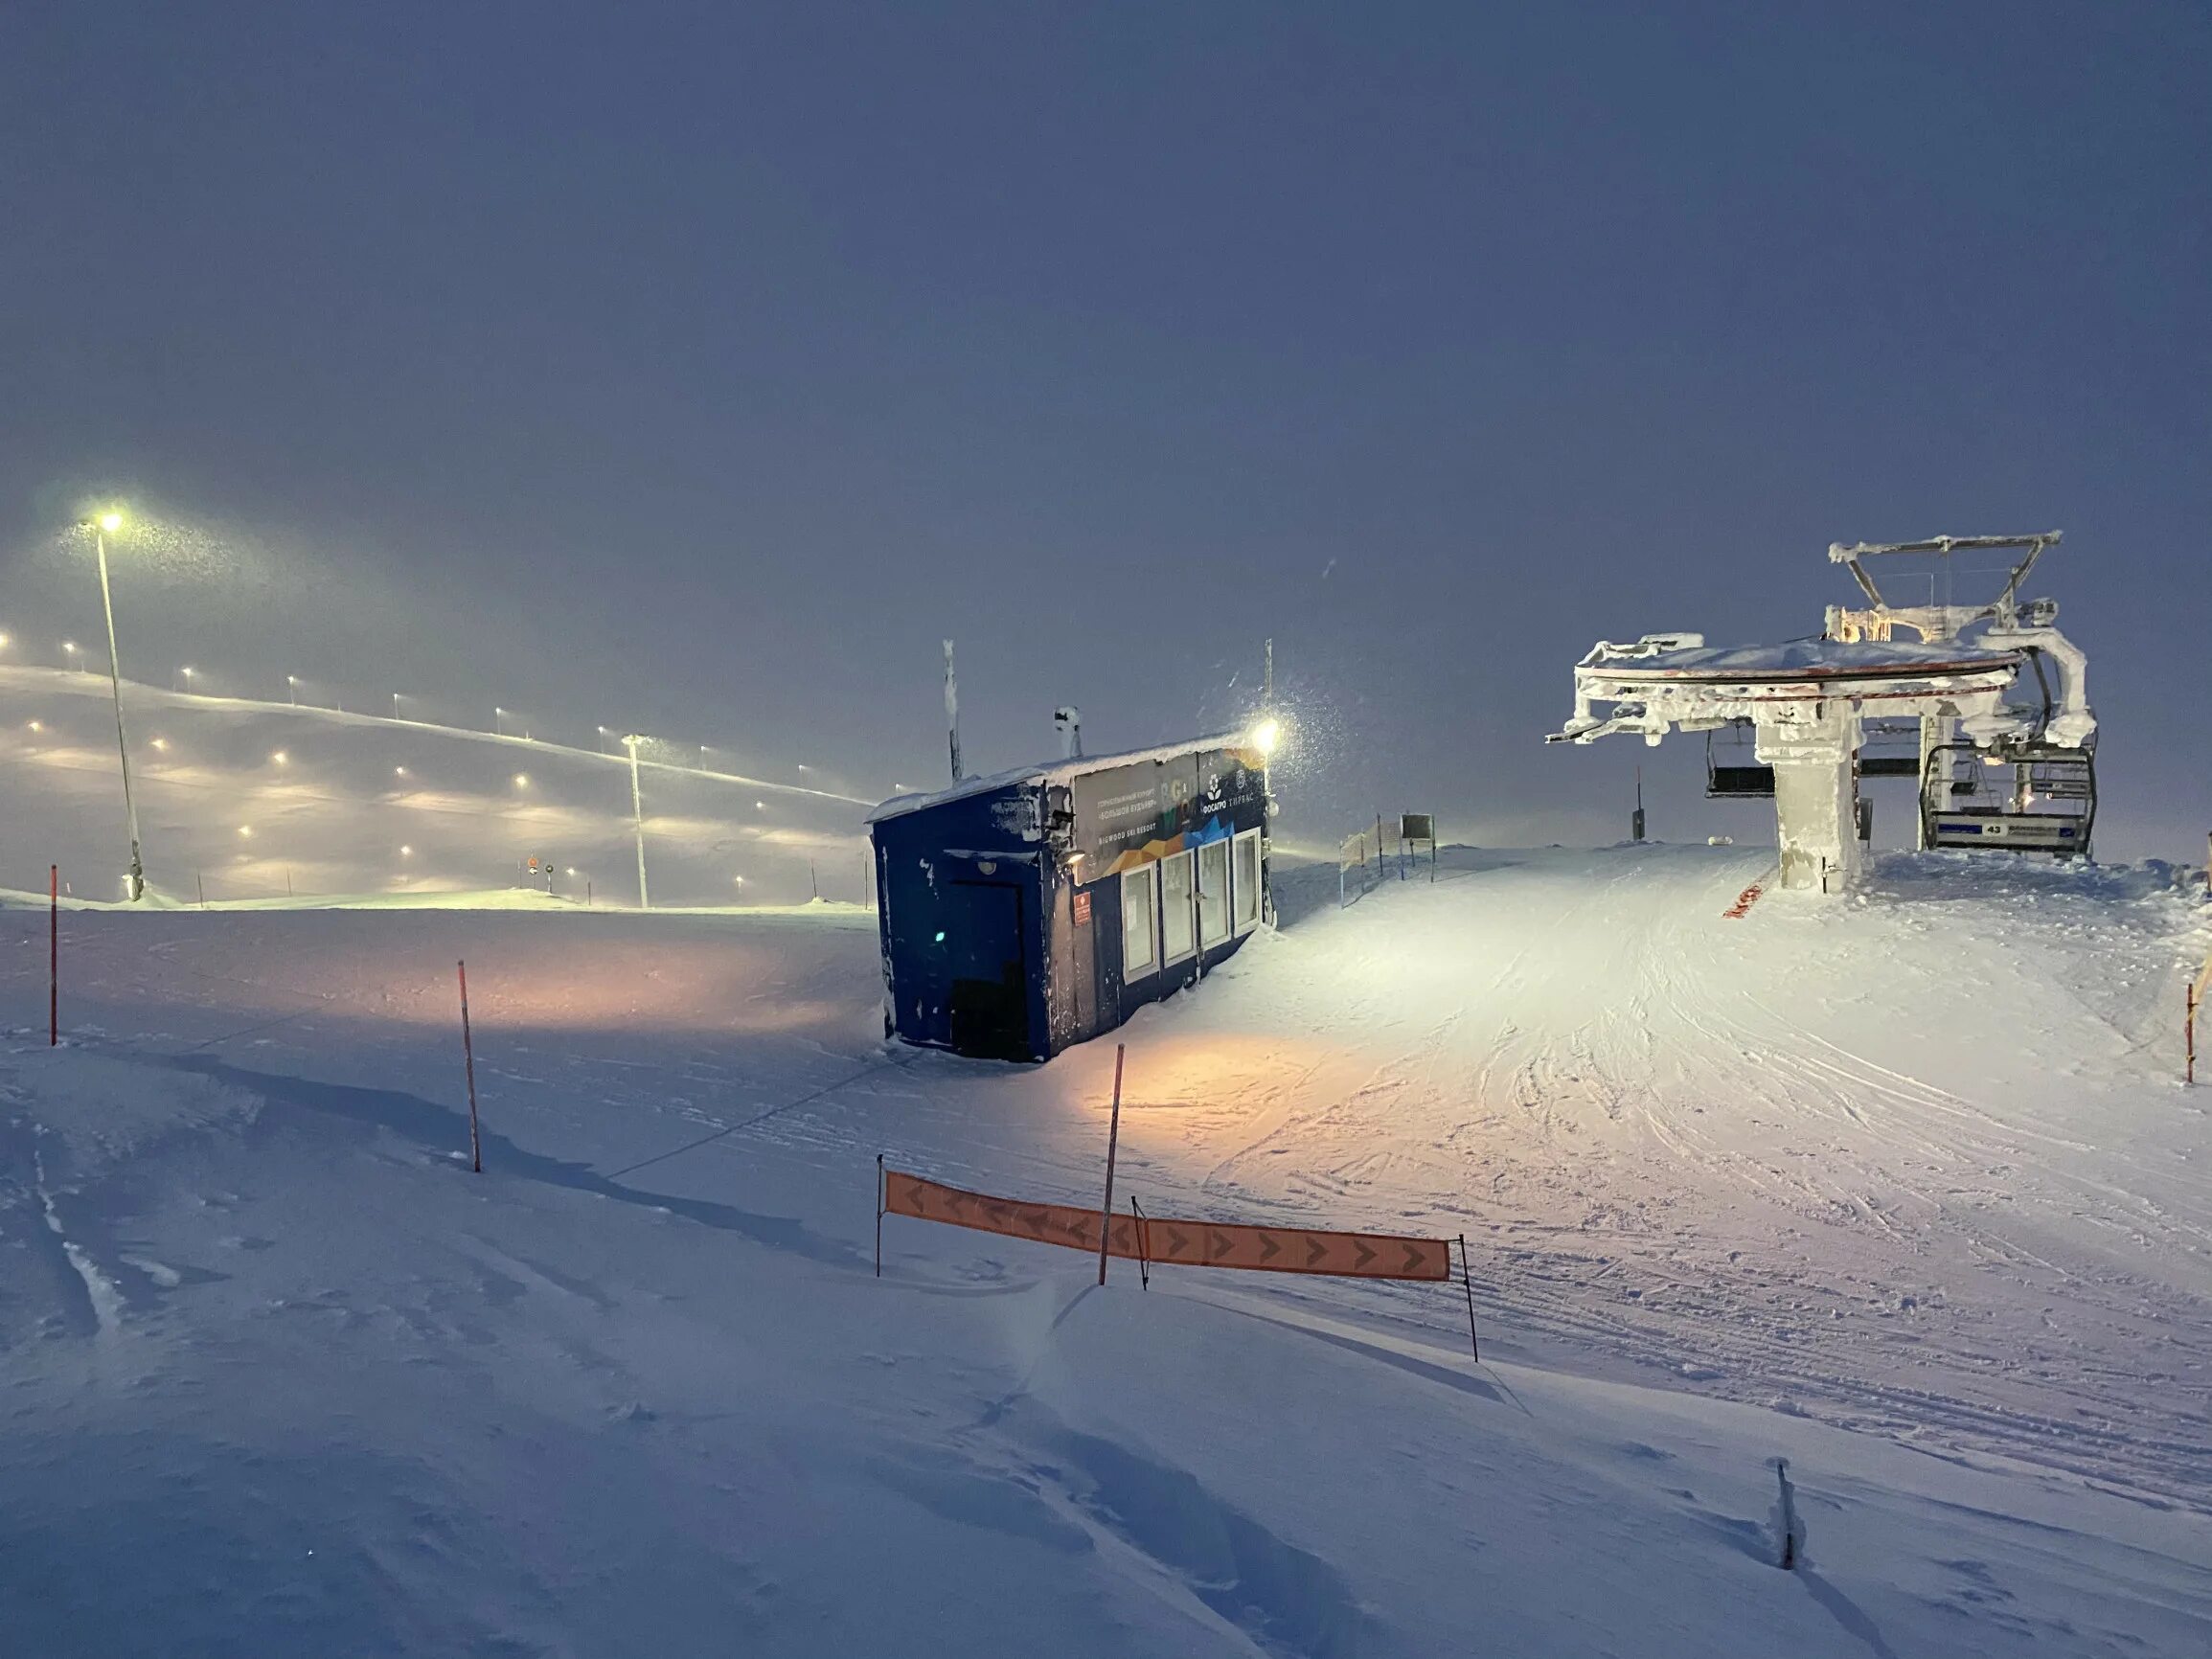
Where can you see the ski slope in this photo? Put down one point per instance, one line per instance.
(1905, 1190)
(241, 801)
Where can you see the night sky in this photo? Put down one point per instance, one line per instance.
(697, 369)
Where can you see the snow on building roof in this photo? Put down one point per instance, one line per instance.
(1807, 660)
(1061, 771)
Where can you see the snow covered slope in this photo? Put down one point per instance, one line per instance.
(1901, 1191)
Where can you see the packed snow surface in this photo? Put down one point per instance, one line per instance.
(1905, 1190)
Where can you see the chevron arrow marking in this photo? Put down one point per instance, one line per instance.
(1192, 1243)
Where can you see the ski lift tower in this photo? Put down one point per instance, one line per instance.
(1806, 701)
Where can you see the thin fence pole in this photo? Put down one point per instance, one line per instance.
(54, 957)
(2189, 1034)
(1467, 1279)
(1144, 1232)
(468, 1059)
(1106, 1214)
(878, 1214)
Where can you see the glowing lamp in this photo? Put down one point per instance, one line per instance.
(1266, 734)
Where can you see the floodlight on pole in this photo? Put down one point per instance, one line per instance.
(638, 819)
(293, 685)
(102, 528)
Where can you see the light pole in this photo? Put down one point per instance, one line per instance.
(293, 685)
(637, 818)
(100, 528)
(498, 722)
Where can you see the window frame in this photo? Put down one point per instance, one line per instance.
(1239, 926)
(1167, 958)
(1143, 874)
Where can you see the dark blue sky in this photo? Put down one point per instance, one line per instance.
(697, 369)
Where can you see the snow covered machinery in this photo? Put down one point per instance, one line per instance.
(2025, 778)
(1809, 704)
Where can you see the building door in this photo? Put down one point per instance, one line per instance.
(987, 1003)
(1213, 893)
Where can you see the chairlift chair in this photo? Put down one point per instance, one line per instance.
(1733, 770)
(1890, 749)
(2019, 797)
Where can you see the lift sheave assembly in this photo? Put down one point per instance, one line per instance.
(1997, 694)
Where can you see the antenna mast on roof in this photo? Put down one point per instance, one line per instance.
(952, 710)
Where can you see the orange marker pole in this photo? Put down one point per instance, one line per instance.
(468, 1058)
(1105, 1213)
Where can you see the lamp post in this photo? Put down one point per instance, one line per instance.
(292, 687)
(101, 526)
(637, 818)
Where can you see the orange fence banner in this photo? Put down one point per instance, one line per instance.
(1163, 1240)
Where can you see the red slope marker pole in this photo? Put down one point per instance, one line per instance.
(1106, 1214)
(1467, 1279)
(468, 1059)
(54, 957)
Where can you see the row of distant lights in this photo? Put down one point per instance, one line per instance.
(522, 781)
(281, 758)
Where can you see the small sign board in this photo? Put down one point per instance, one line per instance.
(1081, 908)
(1416, 832)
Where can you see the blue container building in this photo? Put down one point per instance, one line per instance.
(1028, 911)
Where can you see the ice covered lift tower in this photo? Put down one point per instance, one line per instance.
(1806, 701)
